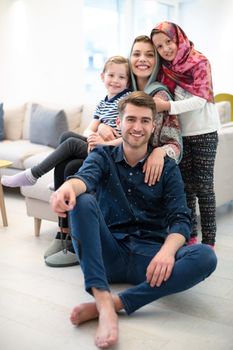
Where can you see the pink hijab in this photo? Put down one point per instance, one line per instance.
(190, 69)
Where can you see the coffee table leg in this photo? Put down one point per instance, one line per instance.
(2, 207)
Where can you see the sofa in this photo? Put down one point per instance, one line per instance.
(33, 130)
(30, 133)
(24, 154)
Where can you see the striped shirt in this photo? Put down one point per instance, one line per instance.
(107, 110)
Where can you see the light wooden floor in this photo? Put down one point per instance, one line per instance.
(35, 300)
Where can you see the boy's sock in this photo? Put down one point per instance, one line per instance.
(25, 178)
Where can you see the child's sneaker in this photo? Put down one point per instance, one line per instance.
(59, 243)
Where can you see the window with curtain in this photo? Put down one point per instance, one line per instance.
(109, 29)
(101, 41)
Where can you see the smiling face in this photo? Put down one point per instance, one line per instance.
(115, 78)
(142, 59)
(166, 47)
(136, 126)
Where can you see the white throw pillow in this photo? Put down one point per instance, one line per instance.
(13, 123)
(74, 117)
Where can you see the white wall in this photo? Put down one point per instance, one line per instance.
(40, 56)
(42, 47)
(209, 24)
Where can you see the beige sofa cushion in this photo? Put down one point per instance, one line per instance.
(87, 116)
(74, 117)
(18, 151)
(13, 123)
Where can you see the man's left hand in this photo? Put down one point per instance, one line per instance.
(160, 268)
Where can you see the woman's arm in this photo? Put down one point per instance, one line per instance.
(166, 140)
(168, 133)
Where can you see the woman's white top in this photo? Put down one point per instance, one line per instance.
(196, 115)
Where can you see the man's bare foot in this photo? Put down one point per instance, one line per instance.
(88, 311)
(84, 312)
(107, 331)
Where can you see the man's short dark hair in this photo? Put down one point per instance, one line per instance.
(139, 99)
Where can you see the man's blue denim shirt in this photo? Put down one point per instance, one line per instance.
(128, 204)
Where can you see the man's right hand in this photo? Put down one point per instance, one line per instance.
(64, 199)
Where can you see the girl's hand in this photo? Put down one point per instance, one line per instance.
(161, 105)
(107, 133)
(153, 167)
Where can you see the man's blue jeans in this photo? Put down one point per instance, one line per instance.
(105, 260)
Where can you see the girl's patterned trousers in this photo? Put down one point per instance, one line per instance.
(197, 169)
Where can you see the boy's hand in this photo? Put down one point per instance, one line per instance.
(107, 133)
(94, 140)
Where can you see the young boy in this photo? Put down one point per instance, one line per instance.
(115, 77)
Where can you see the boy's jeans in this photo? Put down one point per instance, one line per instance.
(105, 260)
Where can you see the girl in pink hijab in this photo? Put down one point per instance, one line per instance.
(187, 73)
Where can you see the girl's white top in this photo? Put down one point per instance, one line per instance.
(196, 115)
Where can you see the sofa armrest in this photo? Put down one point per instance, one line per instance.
(224, 111)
